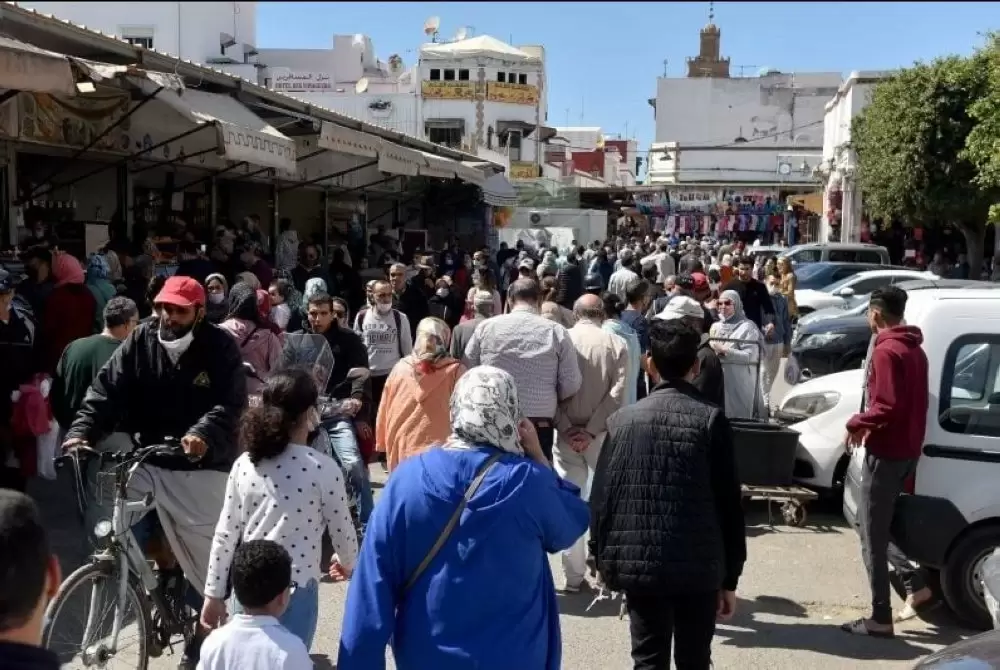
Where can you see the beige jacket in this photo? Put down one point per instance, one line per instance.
(603, 360)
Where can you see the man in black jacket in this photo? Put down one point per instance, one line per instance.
(178, 377)
(569, 281)
(667, 523)
(757, 303)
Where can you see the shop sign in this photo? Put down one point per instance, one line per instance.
(242, 144)
(522, 170)
(693, 199)
(447, 90)
(303, 82)
(516, 94)
(72, 122)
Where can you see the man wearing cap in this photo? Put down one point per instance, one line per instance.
(625, 278)
(709, 379)
(177, 376)
(483, 307)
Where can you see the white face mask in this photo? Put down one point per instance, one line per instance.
(176, 348)
(216, 298)
(442, 293)
(383, 307)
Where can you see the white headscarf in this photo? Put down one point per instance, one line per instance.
(485, 410)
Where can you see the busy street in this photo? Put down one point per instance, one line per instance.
(312, 358)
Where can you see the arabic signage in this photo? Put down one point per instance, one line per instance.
(447, 90)
(303, 81)
(522, 170)
(242, 144)
(516, 94)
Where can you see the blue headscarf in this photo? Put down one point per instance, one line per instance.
(97, 268)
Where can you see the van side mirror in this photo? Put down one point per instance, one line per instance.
(994, 399)
(846, 292)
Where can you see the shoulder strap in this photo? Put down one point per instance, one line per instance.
(452, 522)
(399, 331)
(247, 338)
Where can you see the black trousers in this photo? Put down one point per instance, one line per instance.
(687, 621)
(378, 387)
(546, 430)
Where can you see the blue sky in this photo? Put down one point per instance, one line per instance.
(603, 58)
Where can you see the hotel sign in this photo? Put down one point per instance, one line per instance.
(303, 81)
(516, 94)
(447, 90)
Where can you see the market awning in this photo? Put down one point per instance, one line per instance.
(470, 173)
(499, 192)
(437, 166)
(242, 135)
(810, 201)
(346, 141)
(396, 159)
(24, 67)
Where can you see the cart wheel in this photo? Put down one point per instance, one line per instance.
(794, 513)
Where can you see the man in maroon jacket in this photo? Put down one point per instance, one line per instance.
(891, 428)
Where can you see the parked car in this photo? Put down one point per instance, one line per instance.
(770, 251)
(837, 252)
(831, 345)
(908, 285)
(949, 518)
(981, 652)
(820, 275)
(852, 290)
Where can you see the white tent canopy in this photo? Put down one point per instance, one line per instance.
(499, 192)
(475, 47)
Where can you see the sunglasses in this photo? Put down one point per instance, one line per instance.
(725, 302)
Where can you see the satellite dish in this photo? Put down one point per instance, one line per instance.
(462, 33)
(431, 26)
(361, 86)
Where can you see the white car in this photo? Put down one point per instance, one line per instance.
(848, 292)
(949, 518)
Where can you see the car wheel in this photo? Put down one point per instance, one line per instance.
(962, 578)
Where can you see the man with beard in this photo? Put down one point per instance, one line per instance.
(177, 376)
(757, 303)
(308, 268)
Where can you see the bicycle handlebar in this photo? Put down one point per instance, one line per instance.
(85, 452)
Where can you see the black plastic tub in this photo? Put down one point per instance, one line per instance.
(765, 452)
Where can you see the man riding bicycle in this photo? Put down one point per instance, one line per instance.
(176, 376)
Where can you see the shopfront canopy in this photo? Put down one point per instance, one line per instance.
(242, 135)
(499, 192)
(398, 160)
(24, 67)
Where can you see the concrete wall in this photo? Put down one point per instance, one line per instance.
(743, 165)
(186, 29)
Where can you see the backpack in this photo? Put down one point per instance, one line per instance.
(399, 329)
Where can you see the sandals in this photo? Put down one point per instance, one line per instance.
(909, 612)
(859, 627)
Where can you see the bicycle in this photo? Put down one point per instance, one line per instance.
(119, 575)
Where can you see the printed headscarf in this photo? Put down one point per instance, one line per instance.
(97, 267)
(485, 410)
(114, 265)
(432, 339)
(67, 270)
(314, 286)
(294, 296)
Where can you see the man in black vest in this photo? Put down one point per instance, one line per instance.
(670, 534)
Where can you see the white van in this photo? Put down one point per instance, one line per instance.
(950, 520)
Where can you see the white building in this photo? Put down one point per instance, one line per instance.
(715, 129)
(842, 199)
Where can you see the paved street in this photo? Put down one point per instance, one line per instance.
(798, 585)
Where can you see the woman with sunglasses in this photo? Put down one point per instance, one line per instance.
(739, 343)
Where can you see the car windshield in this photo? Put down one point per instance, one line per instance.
(838, 284)
(810, 271)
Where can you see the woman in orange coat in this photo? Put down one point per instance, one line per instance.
(414, 413)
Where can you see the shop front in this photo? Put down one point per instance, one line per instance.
(740, 213)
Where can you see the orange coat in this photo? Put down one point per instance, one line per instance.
(414, 413)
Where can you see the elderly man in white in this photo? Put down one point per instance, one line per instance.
(581, 421)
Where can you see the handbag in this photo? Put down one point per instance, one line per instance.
(456, 516)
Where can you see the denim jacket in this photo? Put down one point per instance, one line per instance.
(782, 321)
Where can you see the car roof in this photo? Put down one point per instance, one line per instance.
(889, 270)
(924, 284)
(837, 245)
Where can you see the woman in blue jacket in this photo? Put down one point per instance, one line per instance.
(486, 599)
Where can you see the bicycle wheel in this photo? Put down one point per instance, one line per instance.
(80, 620)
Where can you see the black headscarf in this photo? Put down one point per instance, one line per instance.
(243, 303)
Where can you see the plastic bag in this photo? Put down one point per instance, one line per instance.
(47, 446)
(991, 586)
(792, 371)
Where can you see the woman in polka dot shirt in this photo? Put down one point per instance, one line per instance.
(284, 491)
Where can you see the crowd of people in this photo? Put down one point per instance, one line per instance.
(502, 392)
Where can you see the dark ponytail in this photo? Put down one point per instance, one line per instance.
(266, 429)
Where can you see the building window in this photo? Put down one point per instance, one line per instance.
(144, 42)
(435, 74)
(140, 36)
(969, 386)
(463, 75)
(501, 77)
(522, 79)
(449, 75)
(449, 137)
(511, 140)
(512, 78)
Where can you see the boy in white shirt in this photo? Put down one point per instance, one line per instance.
(261, 574)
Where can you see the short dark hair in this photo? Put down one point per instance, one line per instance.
(283, 287)
(37, 252)
(119, 311)
(613, 305)
(637, 292)
(321, 299)
(524, 290)
(890, 300)
(673, 347)
(24, 558)
(744, 260)
(690, 265)
(261, 571)
(154, 287)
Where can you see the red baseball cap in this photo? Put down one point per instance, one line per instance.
(700, 281)
(181, 292)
